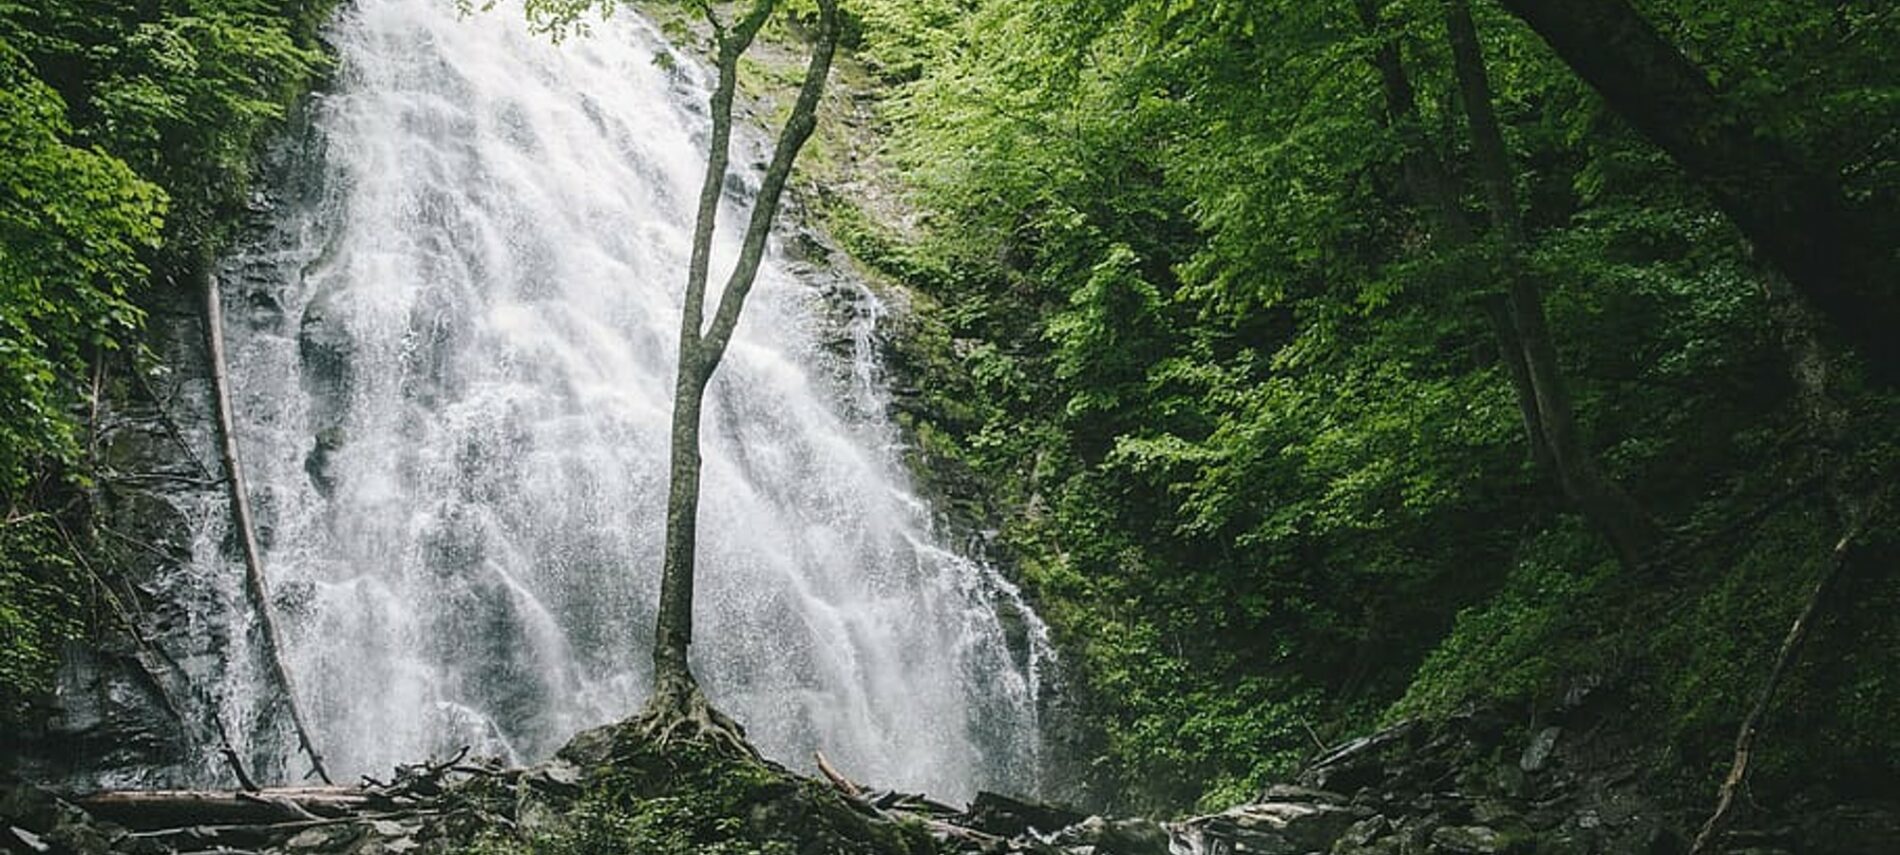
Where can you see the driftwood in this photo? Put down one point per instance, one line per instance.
(892, 806)
(255, 582)
(837, 779)
(251, 837)
(226, 820)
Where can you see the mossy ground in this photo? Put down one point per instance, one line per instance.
(637, 796)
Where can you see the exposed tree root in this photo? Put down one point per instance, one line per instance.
(679, 712)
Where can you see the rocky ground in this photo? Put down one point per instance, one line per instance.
(1565, 785)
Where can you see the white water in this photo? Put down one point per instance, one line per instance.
(477, 315)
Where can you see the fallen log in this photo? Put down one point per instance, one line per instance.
(250, 838)
(145, 810)
(255, 583)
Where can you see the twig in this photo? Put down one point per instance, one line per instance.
(163, 414)
(1742, 523)
(146, 647)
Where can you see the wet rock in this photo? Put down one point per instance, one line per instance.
(1115, 837)
(1275, 828)
(1001, 815)
(317, 464)
(325, 349)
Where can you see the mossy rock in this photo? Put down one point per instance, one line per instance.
(686, 797)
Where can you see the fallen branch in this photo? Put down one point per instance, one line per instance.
(423, 779)
(837, 779)
(1717, 825)
(250, 837)
(241, 517)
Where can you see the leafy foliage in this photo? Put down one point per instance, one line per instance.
(1239, 412)
(126, 135)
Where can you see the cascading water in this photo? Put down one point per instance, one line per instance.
(454, 408)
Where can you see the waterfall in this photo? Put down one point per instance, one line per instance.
(453, 394)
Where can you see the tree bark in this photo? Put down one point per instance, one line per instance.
(255, 584)
(1627, 527)
(677, 700)
(1840, 257)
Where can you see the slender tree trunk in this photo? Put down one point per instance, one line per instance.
(1808, 367)
(674, 630)
(1841, 258)
(1432, 188)
(255, 584)
(1603, 502)
(677, 701)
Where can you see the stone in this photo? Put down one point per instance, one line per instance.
(1115, 837)
(1001, 815)
(315, 838)
(1362, 834)
(1469, 840)
(1537, 753)
(1293, 793)
(1278, 828)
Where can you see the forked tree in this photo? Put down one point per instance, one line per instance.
(677, 708)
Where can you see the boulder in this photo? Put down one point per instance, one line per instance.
(1274, 828)
(1115, 837)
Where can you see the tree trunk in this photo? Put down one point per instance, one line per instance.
(1842, 259)
(677, 701)
(674, 630)
(1604, 503)
(1432, 189)
(255, 583)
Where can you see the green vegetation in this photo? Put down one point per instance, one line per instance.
(1196, 335)
(126, 136)
(1227, 319)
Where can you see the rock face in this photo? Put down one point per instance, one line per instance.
(143, 702)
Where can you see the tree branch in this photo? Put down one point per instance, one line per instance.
(792, 137)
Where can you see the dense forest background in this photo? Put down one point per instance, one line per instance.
(1316, 364)
(1212, 326)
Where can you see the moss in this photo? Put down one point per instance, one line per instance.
(687, 798)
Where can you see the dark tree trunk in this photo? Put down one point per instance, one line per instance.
(1628, 528)
(1432, 189)
(1842, 259)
